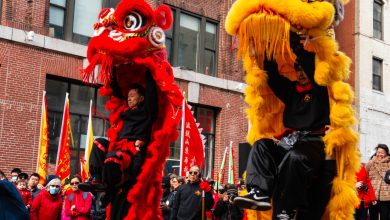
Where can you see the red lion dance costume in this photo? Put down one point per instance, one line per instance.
(131, 39)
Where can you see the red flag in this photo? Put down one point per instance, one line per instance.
(192, 142)
(63, 154)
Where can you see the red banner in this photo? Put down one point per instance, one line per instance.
(63, 155)
(192, 143)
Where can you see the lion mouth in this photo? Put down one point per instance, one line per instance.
(266, 34)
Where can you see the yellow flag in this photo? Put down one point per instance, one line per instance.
(88, 146)
(43, 142)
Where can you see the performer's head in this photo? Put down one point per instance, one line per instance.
(135, 96)
(301, 75)
(194, 174)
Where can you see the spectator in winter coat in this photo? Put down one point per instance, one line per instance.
(26, 195)
(33, 185)
(188, 201)
(365, 192)
(48, 203)
(78, 203)
(11, 203)
(376, 169)
(225, 209)
(169, 200)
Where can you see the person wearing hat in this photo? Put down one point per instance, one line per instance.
(225, 208)
(48, 203)
(287, 167)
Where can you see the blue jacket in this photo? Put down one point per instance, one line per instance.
(11, 203)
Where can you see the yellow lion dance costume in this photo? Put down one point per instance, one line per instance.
(257, 21)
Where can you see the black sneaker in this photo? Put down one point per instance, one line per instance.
(286, 215)
(92, 187)
(253, 200)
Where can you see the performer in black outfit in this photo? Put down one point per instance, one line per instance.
(287, 169)
(115, 171)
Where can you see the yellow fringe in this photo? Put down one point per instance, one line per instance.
(263, 32)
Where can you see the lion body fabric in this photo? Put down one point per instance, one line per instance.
(255, 22)
(130, 39)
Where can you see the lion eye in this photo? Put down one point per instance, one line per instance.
(133, 21)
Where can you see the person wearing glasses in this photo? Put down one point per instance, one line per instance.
(78, 204)
(188, 200)
(48, 203)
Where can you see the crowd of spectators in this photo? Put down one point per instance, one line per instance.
(24, 198)
(184, 198)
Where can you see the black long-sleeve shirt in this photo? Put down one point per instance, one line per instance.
(188, 202)
(307, 110)
(137, 123)
(226, 211)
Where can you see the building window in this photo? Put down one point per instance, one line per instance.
(73, 20)
(377, 19)
(192, 42)
(85, 15)
(79, 99)
(110, 3)
(206, 117)
(377, 74)
(57, 18)
(1, 9)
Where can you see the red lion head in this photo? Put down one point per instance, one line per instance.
(128, 42)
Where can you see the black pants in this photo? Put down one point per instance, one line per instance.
(288, 176)
(380, 211)
(119, 203)
(361, 213)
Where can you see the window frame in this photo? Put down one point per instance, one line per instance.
(1, 10)
(380, 3)
(176, 145)
(380, 76)
(66, 9)
(69, 18)
(208, 168)
(202, 33)
(78, 150)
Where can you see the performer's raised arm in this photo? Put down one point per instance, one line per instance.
(151, 104)
(116, 91)
(279, 84)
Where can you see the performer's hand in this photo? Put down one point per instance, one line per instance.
(205, 186)
(139, 144)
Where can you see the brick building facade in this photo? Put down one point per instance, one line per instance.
(52, 62)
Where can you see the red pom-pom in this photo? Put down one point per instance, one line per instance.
(205, 186)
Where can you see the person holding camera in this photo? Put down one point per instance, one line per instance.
(225, 209)
(365, 192)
